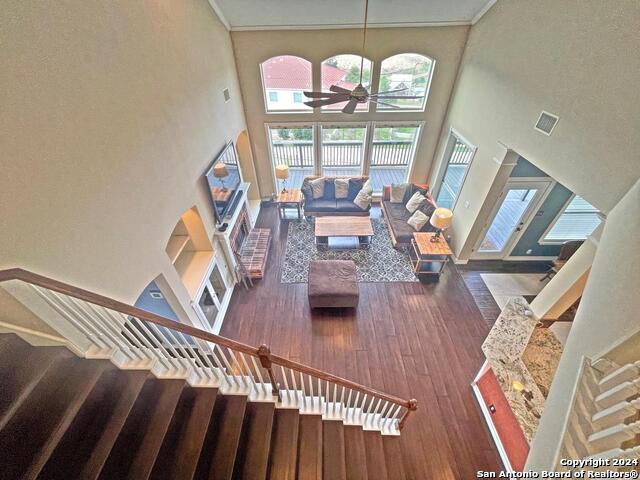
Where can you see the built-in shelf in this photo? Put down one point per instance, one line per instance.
(192, 266)
(176, 245)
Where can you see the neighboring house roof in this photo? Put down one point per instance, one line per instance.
(294, 73)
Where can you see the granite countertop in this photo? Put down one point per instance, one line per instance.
(518, 349)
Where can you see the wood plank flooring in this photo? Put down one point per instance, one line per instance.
(415, 340)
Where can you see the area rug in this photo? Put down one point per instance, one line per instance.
(504, 286)
(379, 262)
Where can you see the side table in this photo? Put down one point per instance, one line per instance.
(292, 198)
(427, 257)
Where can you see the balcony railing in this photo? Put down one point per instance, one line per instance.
(299, 153)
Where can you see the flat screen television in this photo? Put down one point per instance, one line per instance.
(223, 179)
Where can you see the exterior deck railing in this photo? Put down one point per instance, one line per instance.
(299, 153)
(101, 327)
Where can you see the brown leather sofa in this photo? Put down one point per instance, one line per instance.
(397, 215)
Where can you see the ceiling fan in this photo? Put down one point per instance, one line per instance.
(359, 94)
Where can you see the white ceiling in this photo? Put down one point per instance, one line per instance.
(272, 14)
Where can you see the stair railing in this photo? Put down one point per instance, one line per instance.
(97, 326)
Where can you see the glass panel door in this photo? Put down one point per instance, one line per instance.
(459, 158)
(293, 146)
(516, 206)
(392, 152)
(343, 150)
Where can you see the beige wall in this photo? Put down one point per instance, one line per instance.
(444, 44)
(574, 58)
(608, 312)
(111, 111)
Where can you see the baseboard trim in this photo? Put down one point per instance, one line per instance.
(528, 258)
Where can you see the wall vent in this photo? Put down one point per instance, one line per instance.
(546, 122)
(227, 95)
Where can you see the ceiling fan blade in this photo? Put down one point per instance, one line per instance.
(391, 91)
(320, 94)
(326, 101)
(351, 106)
(378, 102)
(398, 97)
(336, 88)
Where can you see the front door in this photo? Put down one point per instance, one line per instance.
(513, 211)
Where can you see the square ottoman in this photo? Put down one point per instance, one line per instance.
(333, 284)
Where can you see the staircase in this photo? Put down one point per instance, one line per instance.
(604, 422)
(133, 395)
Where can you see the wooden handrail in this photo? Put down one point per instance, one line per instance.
(106, 302)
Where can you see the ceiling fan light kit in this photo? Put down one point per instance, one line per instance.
(359, 95)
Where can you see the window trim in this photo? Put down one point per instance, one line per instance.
(369, 134)
(543, 241)
(303, 111)
(426, 93)
(444, 163)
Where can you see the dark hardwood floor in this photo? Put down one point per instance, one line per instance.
(415, 340)
(471, 275)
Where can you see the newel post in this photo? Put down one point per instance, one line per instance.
(413, 405)
(264, 353)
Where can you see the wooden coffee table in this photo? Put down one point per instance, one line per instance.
(358, 227)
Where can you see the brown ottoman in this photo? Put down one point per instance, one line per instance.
(333, 284)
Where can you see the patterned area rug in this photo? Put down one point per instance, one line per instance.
(379, 262)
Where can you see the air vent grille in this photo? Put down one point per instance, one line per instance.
(546, 122)
(227, 95)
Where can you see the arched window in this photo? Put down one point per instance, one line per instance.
(410, 73)
(344, 71)
(284, 78)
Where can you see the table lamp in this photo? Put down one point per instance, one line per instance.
(441, 220)
(220, 171)
(282, 173)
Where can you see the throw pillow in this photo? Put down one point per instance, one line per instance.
(418, 220)
(317, 187)
(363, 199)
(355, 185)
(367, 188)
(342, 187)
(329, 189)
(427, 208)
(397, 192)
(411, 190)
(416, 200)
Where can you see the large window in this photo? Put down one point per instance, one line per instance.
(284, 78)
(343, 150)
(344, 71)
(458, 155)
(293, 146)
(409, 72)
(392, 152)
(577, 221)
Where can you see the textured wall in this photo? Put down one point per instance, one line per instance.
(111, 111)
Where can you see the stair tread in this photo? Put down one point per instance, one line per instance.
(333, 455)
(355, 455)
(375, 456)
(284, 445)
(182, 445)
(393, 457)
(83, 449)
(221, 442)
(34, 430)
(22, 367)
(140, 439)
(310, 447)
(252, 459)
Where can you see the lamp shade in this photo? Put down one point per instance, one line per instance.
(441, 218)
(220, 170)
(282, 172)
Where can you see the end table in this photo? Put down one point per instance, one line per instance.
(427, 257)
(292, 198)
